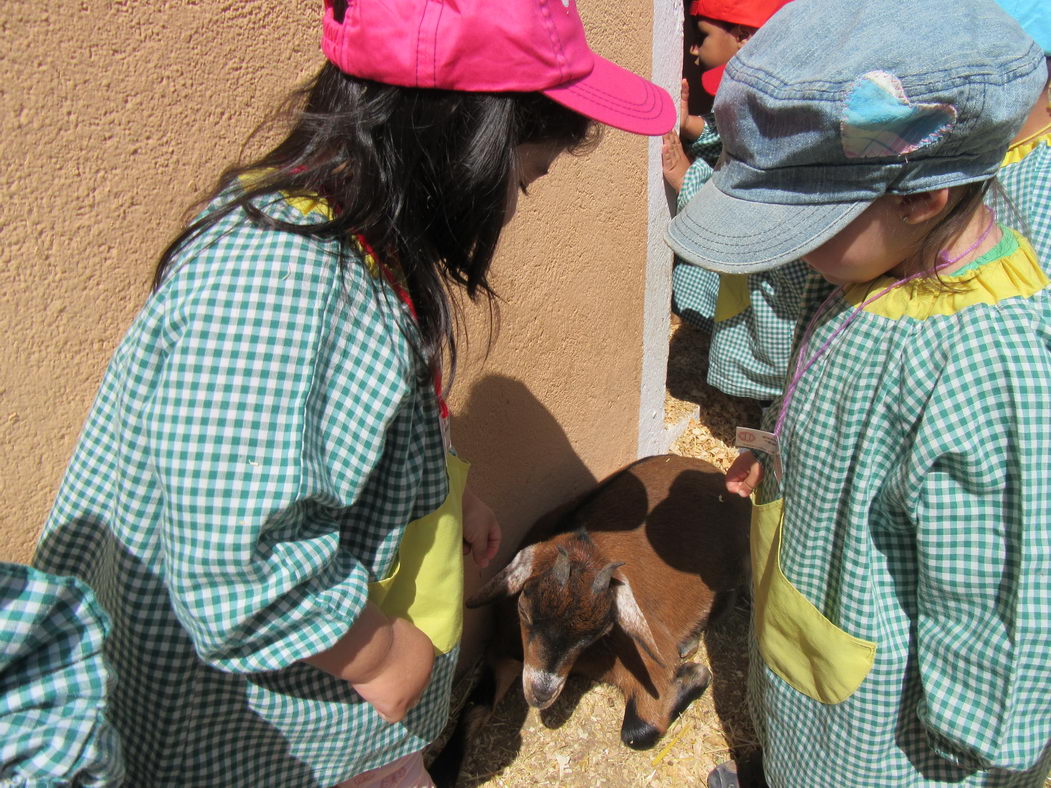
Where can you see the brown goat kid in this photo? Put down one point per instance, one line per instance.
(619, 586)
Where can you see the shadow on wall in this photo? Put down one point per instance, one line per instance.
(522, 464)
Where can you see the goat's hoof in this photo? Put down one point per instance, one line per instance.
(635, 732)
(691, 679)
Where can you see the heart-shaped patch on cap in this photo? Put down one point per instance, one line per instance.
(880, 121)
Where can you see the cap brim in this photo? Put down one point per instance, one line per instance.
(735, 236)
(617, 97)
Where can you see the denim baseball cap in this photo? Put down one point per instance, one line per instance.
(833, 104)
(481, 45)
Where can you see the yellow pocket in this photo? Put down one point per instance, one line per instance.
(426, 584)
(733, 298)
(797, 642)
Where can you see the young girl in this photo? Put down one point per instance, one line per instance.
(263, 498)
(901, 540)
(750, 317)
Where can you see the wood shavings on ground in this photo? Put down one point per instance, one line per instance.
(576, 742)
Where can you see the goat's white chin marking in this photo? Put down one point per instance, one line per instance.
(541, 687)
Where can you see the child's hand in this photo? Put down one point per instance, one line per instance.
(690, 126)
(400, 680)
(744, 475)
(481, 531)
(387, 660)
(673, 161)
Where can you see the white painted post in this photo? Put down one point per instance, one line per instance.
(667, 72)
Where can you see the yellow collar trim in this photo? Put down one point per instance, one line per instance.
(1019, 151)
(1017, 274)
(306, 205)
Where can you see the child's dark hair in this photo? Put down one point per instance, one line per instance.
(424, 175)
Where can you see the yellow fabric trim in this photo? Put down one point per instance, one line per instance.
(307, 205)
(796, 641)
(1016, 274)
(426, 584)
(1019, 151)
(733, 298)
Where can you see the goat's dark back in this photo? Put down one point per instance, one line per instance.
(673, 508)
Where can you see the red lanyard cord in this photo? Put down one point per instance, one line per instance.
(403, 295)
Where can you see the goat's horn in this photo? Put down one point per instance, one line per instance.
(561, 567)
(604, 576)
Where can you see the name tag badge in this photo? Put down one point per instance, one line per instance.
(760, 440)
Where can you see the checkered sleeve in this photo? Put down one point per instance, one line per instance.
(1026, 203)
(981, 507)
(269, 418)
(705, 152)
(696, 176)
(709, 144)
(53, 729)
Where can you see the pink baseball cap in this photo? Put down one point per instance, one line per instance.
(483, 45)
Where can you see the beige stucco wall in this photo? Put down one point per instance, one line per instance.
(115, 115)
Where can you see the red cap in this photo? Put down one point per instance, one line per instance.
(750, 13)
(482, 45)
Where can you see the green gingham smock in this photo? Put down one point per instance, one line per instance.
(694, 289)
(705, 152)
(917, 514)
(1026, 177)
(53, 728)
(751, 316)
(259, 443)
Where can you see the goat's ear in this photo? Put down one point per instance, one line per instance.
(630, 617)
(508, 581)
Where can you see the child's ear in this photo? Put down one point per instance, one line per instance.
(917, 208)
(742, 33)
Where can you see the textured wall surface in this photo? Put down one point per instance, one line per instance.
(116, 114)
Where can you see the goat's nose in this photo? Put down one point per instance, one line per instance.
(541, 687)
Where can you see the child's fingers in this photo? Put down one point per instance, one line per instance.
(684, 91)
(484, 550)
(744, 474)
(668, 152)
(483, 547)
(493, 544)
(741, 488)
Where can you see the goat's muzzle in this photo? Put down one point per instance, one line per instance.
(540, 687)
